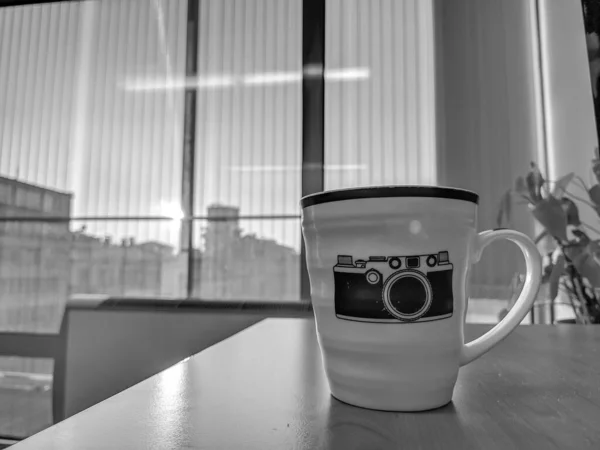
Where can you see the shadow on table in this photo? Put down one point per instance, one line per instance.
(351, 428)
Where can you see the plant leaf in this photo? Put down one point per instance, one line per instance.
(561, 185)
(535, 181)
(594, 194)
(550, 214)
(540, 236)
(584, 259)
(557, 271)
(596, 168)
(571, 211)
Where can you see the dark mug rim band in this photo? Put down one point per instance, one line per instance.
(389, 191)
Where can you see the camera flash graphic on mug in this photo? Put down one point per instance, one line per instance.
(394, 289)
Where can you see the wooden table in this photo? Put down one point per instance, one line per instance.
(264, 388)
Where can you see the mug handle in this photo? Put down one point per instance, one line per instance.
(533, 261)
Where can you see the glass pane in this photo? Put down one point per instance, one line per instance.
(379, 97)
(247, 259)
(25, 396)
(249, 106)
(75, 114)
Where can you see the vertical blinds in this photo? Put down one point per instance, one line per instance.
(101, 87)
(381, 129)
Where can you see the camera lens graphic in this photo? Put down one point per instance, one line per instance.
(407, 295)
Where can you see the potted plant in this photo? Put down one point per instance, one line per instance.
(573, 265)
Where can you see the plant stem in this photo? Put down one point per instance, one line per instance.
(540, 236)
(571, 295)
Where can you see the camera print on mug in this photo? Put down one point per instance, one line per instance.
(394, 289)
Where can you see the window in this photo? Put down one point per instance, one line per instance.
(27, 198)
(21, 198)
(12, 227)
(108, 104)
(48, 203)
(25, 229)
(6, 191)
(33, 200)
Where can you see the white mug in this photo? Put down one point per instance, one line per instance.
(388, 273)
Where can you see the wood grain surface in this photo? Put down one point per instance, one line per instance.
(264, 388)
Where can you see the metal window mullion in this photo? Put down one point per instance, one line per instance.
(313, 111)
(189, 139)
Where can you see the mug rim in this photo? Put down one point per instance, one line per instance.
(337, 195)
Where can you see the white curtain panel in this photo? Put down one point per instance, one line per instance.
(380, 128)
(489, 121)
